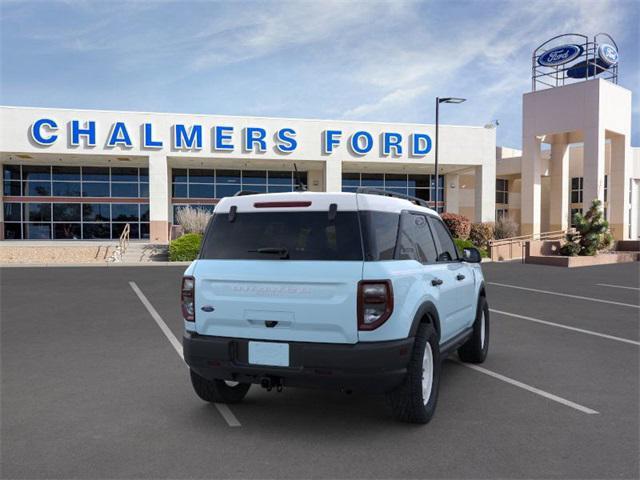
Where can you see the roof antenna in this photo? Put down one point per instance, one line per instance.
(300, 187)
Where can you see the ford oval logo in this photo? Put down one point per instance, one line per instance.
(608, 54)
(560, 55)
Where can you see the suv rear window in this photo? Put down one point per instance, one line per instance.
(283, 235)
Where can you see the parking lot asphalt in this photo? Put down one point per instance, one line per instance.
(93, 388)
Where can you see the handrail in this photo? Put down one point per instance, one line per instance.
(530, 237)
(512, 245)
(123, 244)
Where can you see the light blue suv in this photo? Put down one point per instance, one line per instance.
(355, 291)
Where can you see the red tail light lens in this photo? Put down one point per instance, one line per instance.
(375, 303)
(187, 298)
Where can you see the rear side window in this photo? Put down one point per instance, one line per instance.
(444, 243)
(379, 233)
(414, 239)
(283, 235)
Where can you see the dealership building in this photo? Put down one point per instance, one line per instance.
(85, 174)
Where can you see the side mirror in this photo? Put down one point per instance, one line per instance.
(471, 255)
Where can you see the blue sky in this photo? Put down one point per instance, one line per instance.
(368, 60)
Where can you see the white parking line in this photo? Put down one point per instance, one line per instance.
(566, 327)
(175, 343)
(531, 389)
(565, 295)
(224, 410)
(616, 286)
(227, 414)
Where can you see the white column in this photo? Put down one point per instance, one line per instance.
(159, 198)
(332, 175)
(315, 179)
(618, 188)
(485, 192)
(452, 192)
(593, 167)
(559, 205)
(531, 188)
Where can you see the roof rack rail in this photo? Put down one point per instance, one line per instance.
(386, 193)
(242, 193)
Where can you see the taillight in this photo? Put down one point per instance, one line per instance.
(281, 204)
(187, 298)
(375, 303)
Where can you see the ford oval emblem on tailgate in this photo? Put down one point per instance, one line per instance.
(207, 308)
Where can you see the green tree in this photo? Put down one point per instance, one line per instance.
(591, 235)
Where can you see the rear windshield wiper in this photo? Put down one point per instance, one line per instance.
(283, 252)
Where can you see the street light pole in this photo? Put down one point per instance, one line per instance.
(436, 152)
(438, 102)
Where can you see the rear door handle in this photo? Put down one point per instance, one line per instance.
(460, 277)
(436, 281)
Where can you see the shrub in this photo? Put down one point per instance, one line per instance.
(185, 248)
(570, 249)
(591, 235)
(481, 233)
(462, 244)
(193, 220)
(458, 225)
(505, 228)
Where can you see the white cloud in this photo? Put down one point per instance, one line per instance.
(399, 97)
(488, 55)
(250, 35)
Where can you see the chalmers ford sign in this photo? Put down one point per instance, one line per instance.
(223, 138)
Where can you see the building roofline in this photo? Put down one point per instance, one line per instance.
(18, 107)
(577, 84)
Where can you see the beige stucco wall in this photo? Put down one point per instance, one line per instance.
(466, 194)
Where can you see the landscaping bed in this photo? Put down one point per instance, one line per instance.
(583, 261)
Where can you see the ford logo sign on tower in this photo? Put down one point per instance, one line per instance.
(571, 57)
(608, 54)
(560, 55)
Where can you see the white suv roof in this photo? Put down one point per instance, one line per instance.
(318, 201)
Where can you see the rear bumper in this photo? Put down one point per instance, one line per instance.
(370, 367)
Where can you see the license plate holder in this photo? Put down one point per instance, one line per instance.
(269, 353)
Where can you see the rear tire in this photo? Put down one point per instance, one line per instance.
(415, 400)
(476, 348)
(218, 391)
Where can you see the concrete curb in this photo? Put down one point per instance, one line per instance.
(95, 265)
